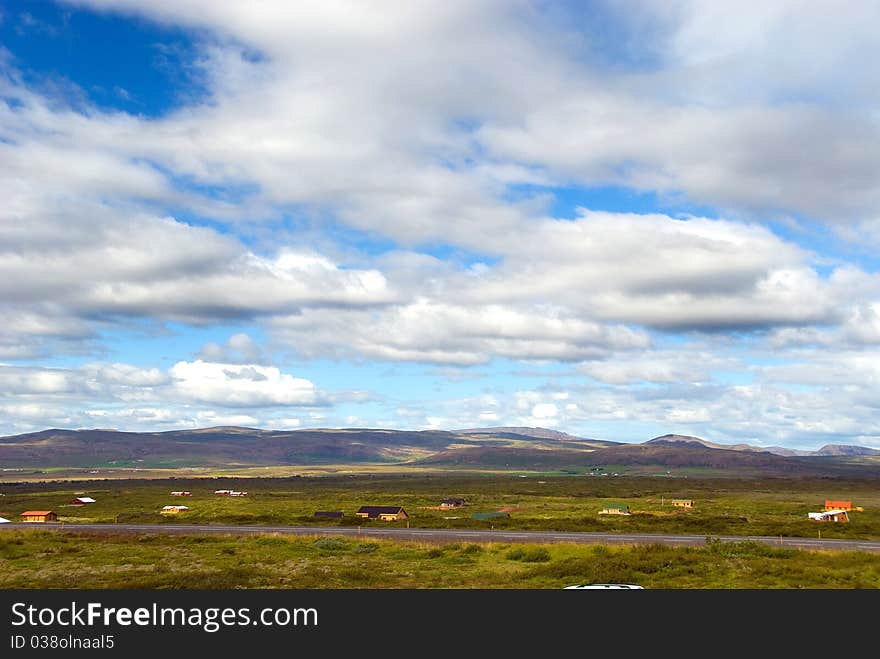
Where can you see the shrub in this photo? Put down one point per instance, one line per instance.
(331, 544)
(472, 549)
(536, 555)
(365, 548)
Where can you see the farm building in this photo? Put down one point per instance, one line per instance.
(181, 494)
(452, 502)
(230, 493)
(838, 515)
(683, 503)
(39, 516)
(81, 501)
(615, 509)
(385, 513)
(493, 515)
(173, 510)
(331, 514)
(233, 493)
(838, 505)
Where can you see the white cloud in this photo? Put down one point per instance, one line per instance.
(236, 385)
(443, 332)
(209, 419)
(544, 411)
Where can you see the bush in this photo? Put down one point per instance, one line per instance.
(472, 549)
(331, 544)
(532, 555)
(536, 555)
(365, 548)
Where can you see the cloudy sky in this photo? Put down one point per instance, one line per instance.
(613, 219)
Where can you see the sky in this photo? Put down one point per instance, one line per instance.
(617, 220)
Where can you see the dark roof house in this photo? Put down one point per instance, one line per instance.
(386, 513)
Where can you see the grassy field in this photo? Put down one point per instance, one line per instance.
(773, 507)
(47, 560)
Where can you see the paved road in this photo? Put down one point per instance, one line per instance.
(453, 535)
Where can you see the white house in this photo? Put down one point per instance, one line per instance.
(837, 515)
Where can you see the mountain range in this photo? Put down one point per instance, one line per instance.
(497, 448)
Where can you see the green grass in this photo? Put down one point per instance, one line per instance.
(41, 559)
(771, 507)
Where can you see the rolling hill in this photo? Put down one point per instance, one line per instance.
(500, 448)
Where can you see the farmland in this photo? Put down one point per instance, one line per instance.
(774, 507)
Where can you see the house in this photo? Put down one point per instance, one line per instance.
(225, 493)
(492, 515)
(452, 502)
(173, 510)
(233, 493)
(385, 513)
(3, 520)
(330, 514)
(683, 503)
(81, 501)
(615, 509)
(838, 505)
(39, 516)
(838, 515)
(181, 494)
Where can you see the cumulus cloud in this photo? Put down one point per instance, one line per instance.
(237, 385)
(440, 332)
(356, 208)
(240, 348)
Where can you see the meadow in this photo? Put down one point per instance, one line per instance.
(47, 560)
(774, 507)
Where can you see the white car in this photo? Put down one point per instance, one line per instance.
(604, 586)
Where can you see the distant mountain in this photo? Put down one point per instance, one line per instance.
(844, 449)
(517, 432)
(506, 447)
(688, 439)
(828, 449)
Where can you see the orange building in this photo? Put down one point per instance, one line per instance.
(838, 505)
(39, 516)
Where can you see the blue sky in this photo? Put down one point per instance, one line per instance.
(613, 220)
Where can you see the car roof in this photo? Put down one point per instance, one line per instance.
(601, 586)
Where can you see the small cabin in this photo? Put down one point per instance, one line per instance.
(81, 501)
(838, 515)
(173, 510)
(615, 509)
(181, 493)
(838, 505)
(39, 516)
(683, 503)
(384, 513)
(451, 502)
